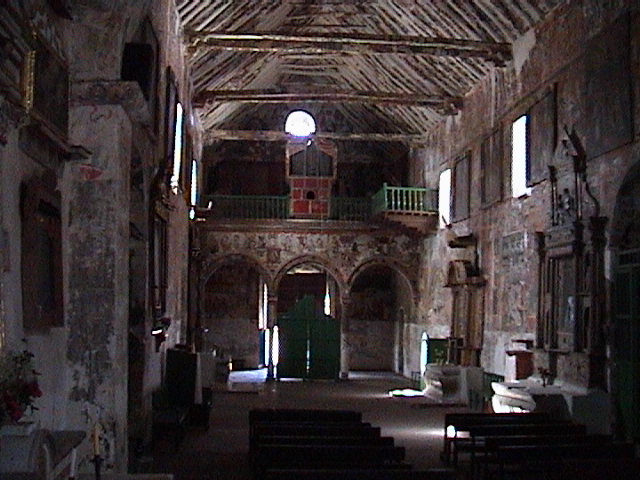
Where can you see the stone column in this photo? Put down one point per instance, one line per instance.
(272, 316)
(96, 260)
(344, 338)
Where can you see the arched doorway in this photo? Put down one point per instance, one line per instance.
(232, 314)
(308, 328)
(379, 301)
(625, 300)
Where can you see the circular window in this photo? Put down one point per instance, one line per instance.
(300, 124)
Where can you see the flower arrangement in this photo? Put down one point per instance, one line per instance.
(18, 385)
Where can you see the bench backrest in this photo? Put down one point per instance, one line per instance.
(561, 452)
(460, 421)
(323, 440)
(360, 474)
(314, 454)
(526, 429)
(294, 414)
(349, 430)
(491, 443)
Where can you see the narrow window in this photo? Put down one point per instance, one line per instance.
(264, 302)
(194, 189)
(444, 198)
(327, 300)
(177, 149)
(520, 158)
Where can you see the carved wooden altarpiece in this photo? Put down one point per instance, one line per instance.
(571, 268)
(467, 312)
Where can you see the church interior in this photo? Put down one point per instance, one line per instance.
(443, 192)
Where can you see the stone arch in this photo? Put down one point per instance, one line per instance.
(625, 224)
(394, 265)
(215, 264)
(624, 245)
(336, 289)
(382, 299)
(314, 260)
(230, 306)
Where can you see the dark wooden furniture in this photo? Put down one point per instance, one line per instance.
(360, 474)
(546, 460)
(456, 424)
(327, 456)
(479, 433)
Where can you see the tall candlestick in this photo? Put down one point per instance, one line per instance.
(96, 441)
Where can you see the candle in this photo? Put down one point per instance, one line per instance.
(96, 441)
(72, 472)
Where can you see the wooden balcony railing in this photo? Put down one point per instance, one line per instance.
(350, 208)
(387, 199)
(248, 206)
(404, 199)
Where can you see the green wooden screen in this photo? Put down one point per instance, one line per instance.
(309, 343)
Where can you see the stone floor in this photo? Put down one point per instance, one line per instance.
(221, 451)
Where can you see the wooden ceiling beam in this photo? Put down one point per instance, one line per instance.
(499, 53)
(213, 135)
(448, 104)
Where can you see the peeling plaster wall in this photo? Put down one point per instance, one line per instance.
(84, 364)
(342, 254)
(231, 314)
(553, 54)
(97, 256)
(369, 344)
(371, 313)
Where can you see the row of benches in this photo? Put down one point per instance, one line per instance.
(519, 445)
(326, 444)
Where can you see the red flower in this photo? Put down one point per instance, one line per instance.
(15, 414)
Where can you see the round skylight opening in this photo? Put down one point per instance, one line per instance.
(300, 124)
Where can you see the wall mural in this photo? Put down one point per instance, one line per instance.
(339, 252)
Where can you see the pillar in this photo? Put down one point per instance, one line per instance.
(272, 315)
(97, 259)
(344, 339)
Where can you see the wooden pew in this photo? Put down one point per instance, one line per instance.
(303, 415)
(548, 459)
(319, 440)
(363, 430)
(477, 434)
(261, 420)
(323, 440)
(360, 474)
(326, 457)
(599, 468)
(482, 461)
(460, 422)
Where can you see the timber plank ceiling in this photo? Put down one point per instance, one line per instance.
(391, 68)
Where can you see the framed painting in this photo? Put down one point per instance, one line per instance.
(46, 88)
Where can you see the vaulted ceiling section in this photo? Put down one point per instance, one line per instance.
(381, 70)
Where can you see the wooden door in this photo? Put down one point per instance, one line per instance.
(324, 348)
(309, 343)
(626, 339)
(293, 334)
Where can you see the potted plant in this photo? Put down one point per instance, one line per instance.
(18, 386)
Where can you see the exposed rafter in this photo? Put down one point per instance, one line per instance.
(280, 136)
(446, 103)
(496, 52)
